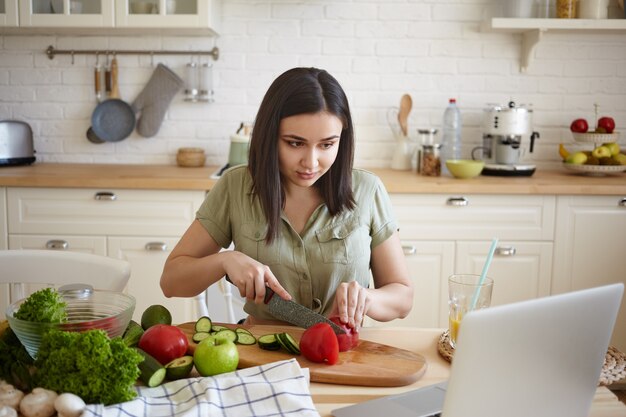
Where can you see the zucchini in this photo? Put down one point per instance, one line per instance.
(288, 343)
(152, 372)
(203, 324)
(268, 342)
(245, 337)
(132, 334)
(227, 334)
(200, 336)
(179, 368)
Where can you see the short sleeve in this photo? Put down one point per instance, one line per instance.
(383, 222)
(214, 213)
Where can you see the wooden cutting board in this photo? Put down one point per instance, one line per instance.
(369, 364)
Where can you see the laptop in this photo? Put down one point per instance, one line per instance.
(541, 357)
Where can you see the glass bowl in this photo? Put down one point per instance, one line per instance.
(86, 310)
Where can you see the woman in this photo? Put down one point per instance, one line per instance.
(302, 221)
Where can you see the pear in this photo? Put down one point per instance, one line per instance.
(576, 158)
(601, 152)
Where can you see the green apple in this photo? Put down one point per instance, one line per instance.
(601, 152)
(613, 147)
(577, 158)
(215, 356)
(621, 158)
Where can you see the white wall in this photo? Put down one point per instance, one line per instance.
(431, 49)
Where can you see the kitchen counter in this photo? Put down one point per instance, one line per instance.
(171, 177)
(327, 397)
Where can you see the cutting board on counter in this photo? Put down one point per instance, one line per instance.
(369, 364)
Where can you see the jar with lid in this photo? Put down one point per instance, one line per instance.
(430, 160)
(566, 9)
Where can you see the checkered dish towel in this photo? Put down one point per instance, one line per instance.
(274, 389)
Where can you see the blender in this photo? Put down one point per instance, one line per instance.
(504, 148)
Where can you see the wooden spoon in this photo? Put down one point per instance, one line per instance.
(403, 115)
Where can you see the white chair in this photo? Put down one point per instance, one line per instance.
(24, 271)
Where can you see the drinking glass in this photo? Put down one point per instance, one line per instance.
(464, 290)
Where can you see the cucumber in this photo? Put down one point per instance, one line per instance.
(244, 337)
(268, 342)
(152, 372)
(227, 334)
(132, 334)
(200, 336)
(179, 368)
(203, 324)
(216, 328)
(288, 343)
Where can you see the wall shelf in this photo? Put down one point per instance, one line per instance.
(532, 30)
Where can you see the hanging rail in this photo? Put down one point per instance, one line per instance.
(51, 52)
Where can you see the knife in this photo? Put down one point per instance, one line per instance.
(294, 313)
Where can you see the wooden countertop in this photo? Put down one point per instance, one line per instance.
(328, 397)
(171, 177)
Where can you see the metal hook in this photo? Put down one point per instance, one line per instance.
(152, 58)
(72, 57)
(97, 59)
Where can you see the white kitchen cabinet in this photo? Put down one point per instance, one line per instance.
(443, 235)
(189, 14)
(141, 226)
(590, 248)
(8, 13)
(67, 13)
(3, 219)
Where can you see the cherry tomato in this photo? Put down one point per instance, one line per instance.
(349, 339)
(319, 344)
(164, 342)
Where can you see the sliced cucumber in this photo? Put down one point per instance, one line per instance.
(268, 342)
(200, 336)
(203, 324)
(288, 343)
(152, 372)
(227, 334)
(242, 330)
(216, 328)
(245, 338)
(179, 368)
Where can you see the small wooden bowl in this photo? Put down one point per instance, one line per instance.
(190, 157)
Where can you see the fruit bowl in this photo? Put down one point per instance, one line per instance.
(464, 168)
(592, 137)
(595, 170)
(86, 310)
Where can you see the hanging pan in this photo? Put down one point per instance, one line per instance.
(112, 120)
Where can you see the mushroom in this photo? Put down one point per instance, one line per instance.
(9, 395)
(39, 403)
(6, 411)
(69, 405)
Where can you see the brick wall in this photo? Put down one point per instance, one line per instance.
(378, 50)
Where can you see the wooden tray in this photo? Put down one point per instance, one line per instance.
(369, 364)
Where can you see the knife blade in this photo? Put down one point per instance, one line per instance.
(294, 313)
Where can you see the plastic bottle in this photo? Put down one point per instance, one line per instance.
(451, 133)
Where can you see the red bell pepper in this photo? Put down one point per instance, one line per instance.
(319, 344)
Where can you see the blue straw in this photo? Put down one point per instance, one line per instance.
(492, 249)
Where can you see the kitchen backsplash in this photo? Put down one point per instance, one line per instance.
(378, 50)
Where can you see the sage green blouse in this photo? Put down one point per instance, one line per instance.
(309, 266)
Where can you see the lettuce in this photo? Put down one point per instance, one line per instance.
(43, 306)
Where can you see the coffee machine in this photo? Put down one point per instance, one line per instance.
(504, 147)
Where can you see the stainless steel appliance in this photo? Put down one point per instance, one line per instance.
(504, 145)
(16, 143)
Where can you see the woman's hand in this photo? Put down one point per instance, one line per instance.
(251, 277)
(351, 304)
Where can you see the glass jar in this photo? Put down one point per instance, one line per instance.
(566, 9)
(430, 160)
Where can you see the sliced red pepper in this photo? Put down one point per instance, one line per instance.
(319, 344)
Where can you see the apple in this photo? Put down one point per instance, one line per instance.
(577, 158)
(579, 126)
(613, 147)
(601, 152)
(607, 124)
(215, 355)
(620, 158)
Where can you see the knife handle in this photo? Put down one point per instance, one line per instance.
(269, 293)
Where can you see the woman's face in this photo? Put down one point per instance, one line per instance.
(307, 146)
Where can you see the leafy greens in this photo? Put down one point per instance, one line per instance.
(43, 306)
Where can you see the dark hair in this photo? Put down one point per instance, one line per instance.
(299, 91)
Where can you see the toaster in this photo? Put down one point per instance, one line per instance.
(16, 143)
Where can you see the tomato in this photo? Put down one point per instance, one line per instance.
(349, 339)
(606, 125)
(319, 344)
(164, 342)
(579, 126)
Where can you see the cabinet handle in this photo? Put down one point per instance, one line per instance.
(409, 249)
(457, 201)
(622, 202)
(105, 196)
(506, 251)
(156, 246)
(57, 244)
